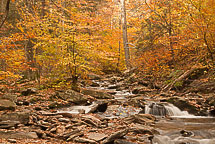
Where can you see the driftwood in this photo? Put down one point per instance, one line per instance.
(182, 77)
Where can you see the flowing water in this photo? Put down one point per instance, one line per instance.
(180, 127)
(175, 126)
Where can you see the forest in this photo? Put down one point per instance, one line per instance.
(107, 71)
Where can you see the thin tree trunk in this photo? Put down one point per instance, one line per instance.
(125, 36)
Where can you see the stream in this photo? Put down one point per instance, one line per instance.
(175, 126)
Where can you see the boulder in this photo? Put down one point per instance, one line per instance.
(73, 97)
(97, 94)
(10, 97)
(22, 117)
(7, 105)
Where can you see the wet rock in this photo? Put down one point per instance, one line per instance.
(97, 94)
(114, 136)
(186, 133)
(18, 135)
(96, 136)
(7, 105)
(29, 91)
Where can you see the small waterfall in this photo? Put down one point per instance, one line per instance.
(163, 109)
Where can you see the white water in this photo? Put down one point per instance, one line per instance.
(171, 110)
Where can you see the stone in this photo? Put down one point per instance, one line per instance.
(96, 136)
(22, 117)
(64, 120)
(94, 76)
(73, 97)
(10, 97)
(7, 105)
(97, 94)
(18, 135)
(8, 124)
(120, 141)
(114, 136)
(141, 119)
(11, 140)
(84, 140)
(29, 91)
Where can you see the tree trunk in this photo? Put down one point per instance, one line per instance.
(125, 37)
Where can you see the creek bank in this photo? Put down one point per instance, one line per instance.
(112, 111)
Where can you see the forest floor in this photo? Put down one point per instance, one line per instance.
(112, 110)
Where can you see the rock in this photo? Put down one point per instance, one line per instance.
(120, 141)
(73, 97)
(141, 119)
(7, 105)
(11, 140)
(97, 94)
(29, 91)
(141, 129)
(22, 117)
(10, 97)
(17, 135)
(113, 86)
(84, 140)
(212, 112)
(72, 134)
(64, 120)
(186, 133)
(8, 124)
(142, 90)
(94, 84)
(94, 76)
(91, 120)
(96, 136)
(114, 136)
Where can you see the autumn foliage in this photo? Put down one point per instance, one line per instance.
(59, 39)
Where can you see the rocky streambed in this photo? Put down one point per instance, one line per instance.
(109, 110)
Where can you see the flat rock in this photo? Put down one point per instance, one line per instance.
(97, 94)
(96, 136)
(22, 117)
(7, 105)
(10, 97)
(18, 135)
(8, 124)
